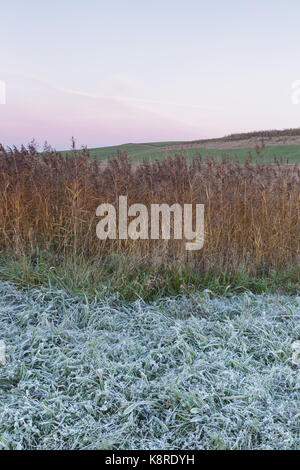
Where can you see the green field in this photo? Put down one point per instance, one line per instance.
(290, 153)
(139, 152)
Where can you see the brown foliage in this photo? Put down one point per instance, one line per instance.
(48, 202)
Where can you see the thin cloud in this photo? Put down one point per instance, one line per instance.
(135, 103)
(85, 94)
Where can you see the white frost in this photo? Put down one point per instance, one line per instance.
(2, 353)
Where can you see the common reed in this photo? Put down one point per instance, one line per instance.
(48, 202)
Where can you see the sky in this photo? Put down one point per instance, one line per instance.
(115, 71)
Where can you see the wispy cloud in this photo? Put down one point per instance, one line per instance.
(53, 86)
(146, 105)
(86, 94)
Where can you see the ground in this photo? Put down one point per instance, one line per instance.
(188, 372)
(287, 147)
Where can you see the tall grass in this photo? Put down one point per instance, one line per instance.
(48, 202)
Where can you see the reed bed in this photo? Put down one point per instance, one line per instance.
(48, 203)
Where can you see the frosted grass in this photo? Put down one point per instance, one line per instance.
(181, 373)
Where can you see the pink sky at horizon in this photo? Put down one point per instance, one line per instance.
(113, 72)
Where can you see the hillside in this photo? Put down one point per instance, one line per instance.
(285, 144)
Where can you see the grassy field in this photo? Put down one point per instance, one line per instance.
(48, 205)
(139, 152)
(196, 372)
(290, 153)
(130, 279)
(137, 344)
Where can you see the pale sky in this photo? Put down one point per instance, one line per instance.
(115, 71)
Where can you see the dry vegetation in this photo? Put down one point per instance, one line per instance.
(285, 135)
(48, 202)
(192, 371)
